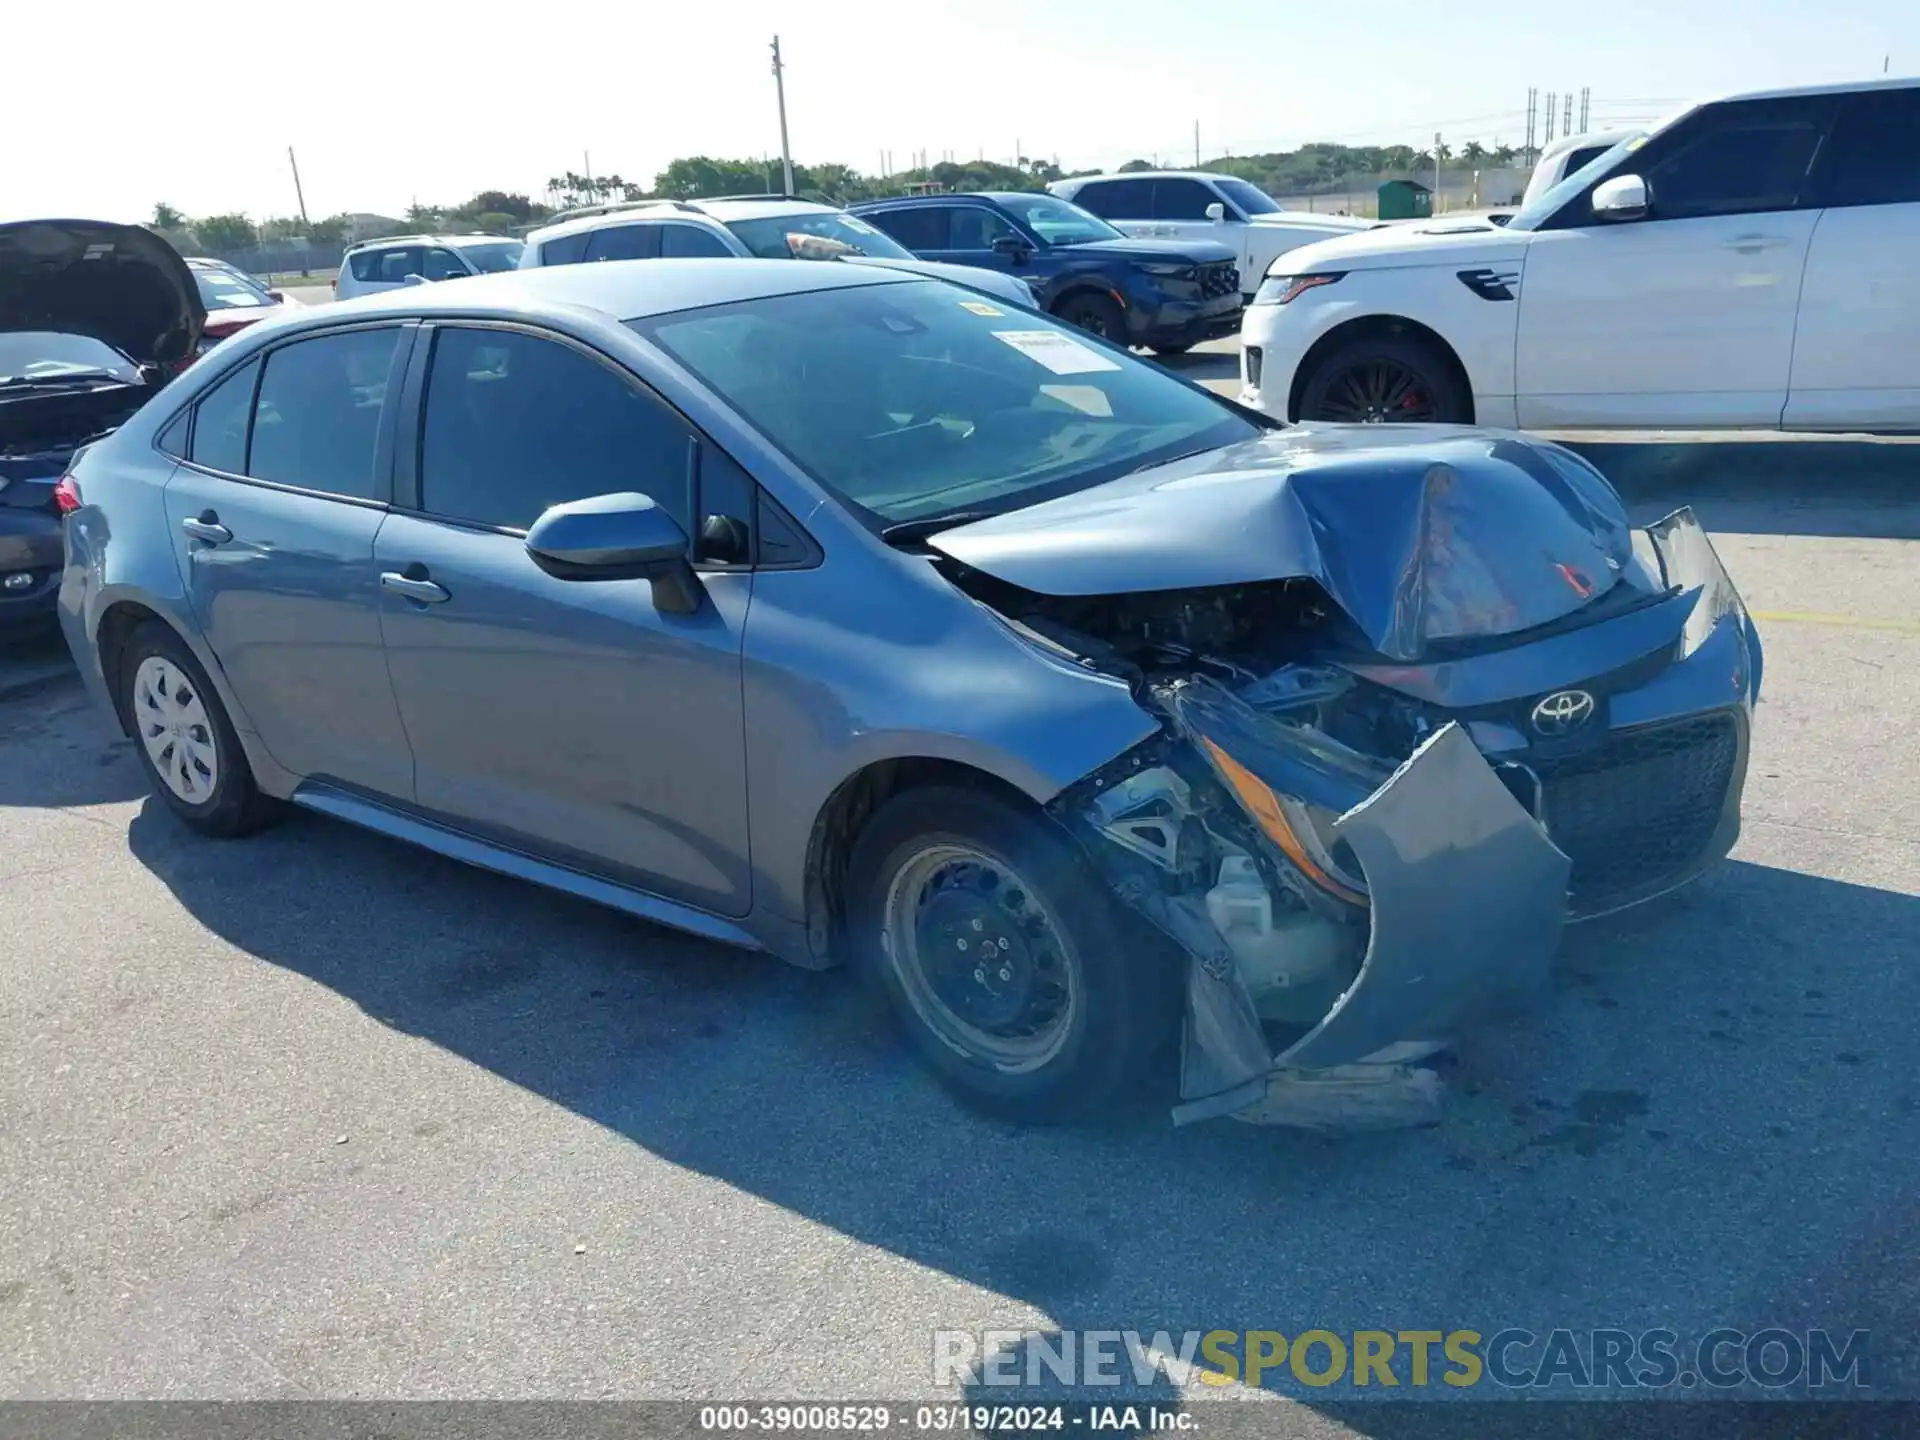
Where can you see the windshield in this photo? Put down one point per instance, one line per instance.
(45, 355)
(1059, 222)
(225, 290)
(940, 401)
(784, 237)
(1542, 206)
(1251, 199)
(493, 256)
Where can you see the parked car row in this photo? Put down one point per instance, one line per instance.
(1084, 710)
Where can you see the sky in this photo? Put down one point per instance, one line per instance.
(115, 105)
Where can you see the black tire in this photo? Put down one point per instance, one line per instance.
(1172, 349)
(233, 804)
(1125, 981)
(1408, 378)
(1097, 315)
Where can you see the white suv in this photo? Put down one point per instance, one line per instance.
(1750, 263)
(411, 259)
(1195, 205)
(770, 227)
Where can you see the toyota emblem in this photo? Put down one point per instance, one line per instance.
(1562, 712)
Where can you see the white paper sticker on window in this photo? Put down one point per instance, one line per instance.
(1061, 354)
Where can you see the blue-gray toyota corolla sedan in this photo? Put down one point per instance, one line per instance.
(847, 614)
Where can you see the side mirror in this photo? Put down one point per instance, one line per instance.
(1216, 212)
(276, 297)
(415, 279)
(1013, 247)
(1624, 197)
(618, 537)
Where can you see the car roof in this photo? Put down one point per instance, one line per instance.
(1149, 175)
(624, 214)
(620, 289)
(995, 197)
(454, 240)
(759, 208)
(1843, 87)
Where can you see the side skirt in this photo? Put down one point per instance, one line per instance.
(470, 850)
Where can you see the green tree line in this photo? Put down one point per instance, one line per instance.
(1312, 169)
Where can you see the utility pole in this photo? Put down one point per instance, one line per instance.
(1196, 144)
(780, 91)
(298, 194)
(1436, 166)
(1552, 100)
(1586, 98)
(1533, 102)
(1567, 127)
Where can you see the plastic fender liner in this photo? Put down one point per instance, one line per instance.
(1469, 897)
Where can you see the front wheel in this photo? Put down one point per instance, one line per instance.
(1385, 379)
(1006, 962)
(1097, 315)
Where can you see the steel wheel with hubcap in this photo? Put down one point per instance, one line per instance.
(173, 726)
(187, 743)
(1010, 966)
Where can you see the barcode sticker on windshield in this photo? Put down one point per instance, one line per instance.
(1061, 354)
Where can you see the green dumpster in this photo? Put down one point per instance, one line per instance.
(1405, 200)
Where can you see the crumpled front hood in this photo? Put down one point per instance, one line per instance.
(118, 284)
(1420, 534)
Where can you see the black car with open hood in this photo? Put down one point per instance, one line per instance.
(94, 317)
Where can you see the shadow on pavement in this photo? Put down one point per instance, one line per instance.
(1775, 486)
(1704, 1126)
(105, 768)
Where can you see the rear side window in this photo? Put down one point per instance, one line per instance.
(1181, 200)
(443, 265)
(220, 423)
(393, 266)
(625, 242)
(516, 423)
(918, 227)
(567, 250)
(317, 421)
(1876, 150)
(690, 242)
(1116, 199)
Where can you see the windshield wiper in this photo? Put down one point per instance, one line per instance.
(907, 532)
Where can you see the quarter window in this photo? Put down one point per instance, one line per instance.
(516, 423)
(567, 250)
(1876, 150)
(220, 423)
(316, 423)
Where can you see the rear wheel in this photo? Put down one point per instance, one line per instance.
(1096, 314)
(1385, 379)
(186, 742)
(1007, 964)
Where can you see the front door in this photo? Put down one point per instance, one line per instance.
(568, 718)
(273, 516)
(1856, 351)
(1685, 317)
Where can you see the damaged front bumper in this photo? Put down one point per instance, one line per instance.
(1343, 916)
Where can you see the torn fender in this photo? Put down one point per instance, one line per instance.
(1468, 900)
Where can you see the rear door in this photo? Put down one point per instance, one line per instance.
(1856, 352)
(570, 719)
(1685, 317)
(273, 513)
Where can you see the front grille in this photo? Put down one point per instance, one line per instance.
(1642, 809)
(1221, 278)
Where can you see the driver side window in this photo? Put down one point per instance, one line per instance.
(1740, 159)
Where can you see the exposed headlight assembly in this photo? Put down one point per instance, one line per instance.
(1283, 289)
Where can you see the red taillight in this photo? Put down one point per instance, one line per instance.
(66, 495)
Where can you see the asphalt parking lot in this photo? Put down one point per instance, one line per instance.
(315, 1114)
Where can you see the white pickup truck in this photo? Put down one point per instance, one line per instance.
(1195, 205)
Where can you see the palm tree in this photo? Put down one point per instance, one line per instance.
(1473, 152)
